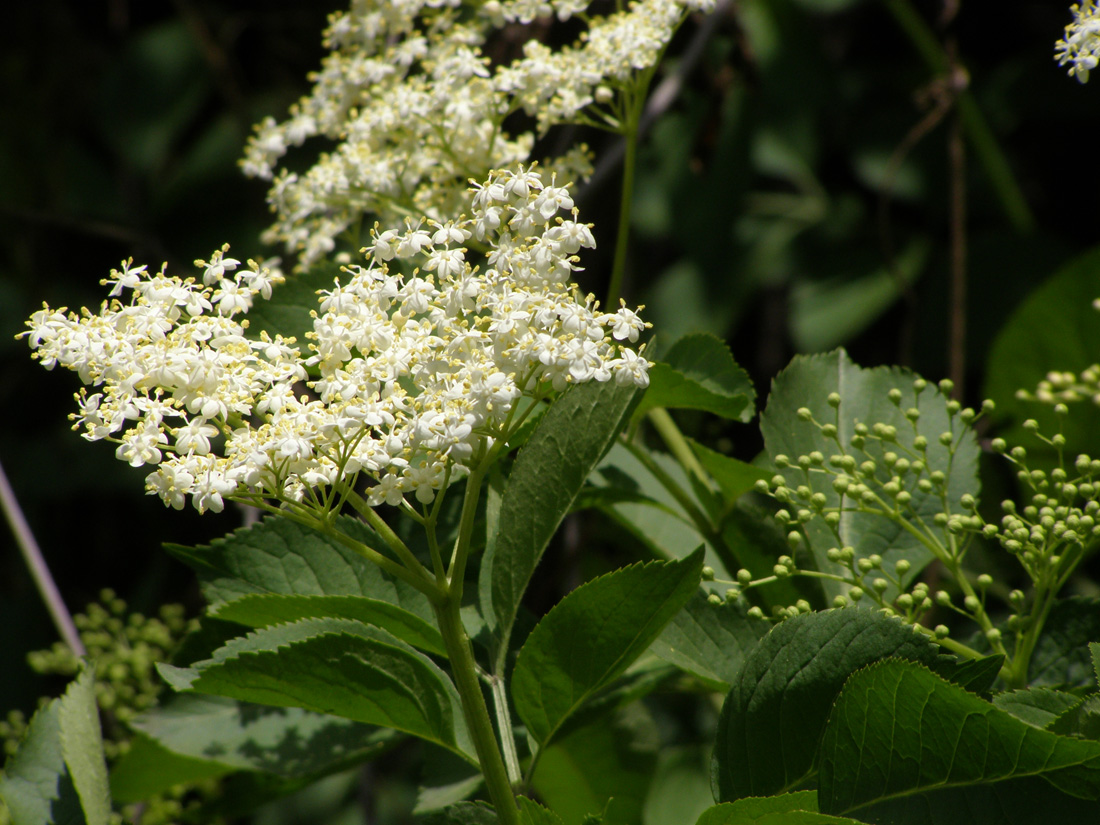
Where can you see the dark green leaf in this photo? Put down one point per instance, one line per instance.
(548, 473)
(710, 641)
(339, 667)
(786, 809)
(82, 746)
(148, 768)
(734, 478)
(774, 714)
(592, 635)
(279, 556)
(1062, 657)
(699, 373)
(531, 813)
(464, 813)
(1036, 706)
(262, 610)
(680, 790)
(1082, 720)
(898, 730)
(286, 312)
(1054, 329)
(807, 382)
(614, 757)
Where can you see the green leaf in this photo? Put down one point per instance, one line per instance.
(592, 635)
(774, 715)
(1036, 706)
(532, 813)
(263, 610)
(680, 790)
(614, 757)
(287, 311)
(710, 641)
(798, 808)
(278, 556)
(699, 373)
(1094, 653)
(59, 775)
(339, 667)
(463, 813)
(734, 478)
(215, 731)
(1062, 657)
(807, 382)
(898, 730)
(1082, 720)
(148, 768)
(1055, 328)
(548, 473)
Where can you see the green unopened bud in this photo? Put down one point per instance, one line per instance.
(714, 598)
(902, 566)
(755, 612)
(733, 594)
(895, 396)
(794, 539)
(946, 386)
(828, 430)
(744, 577)
(782, 461)
(941, 631)
(805, 414)
(708, 574)
(984, 580)
(834, 399)
(972, 604)
(855, 594)
(905, 601)
(943, 598)
(946, 439)
(880, 585)
(998, 445)
(919, 384)
(993, 635)
(840, 601)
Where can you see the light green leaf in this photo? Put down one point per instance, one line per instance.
(1062, 657)
(807, 382)
(1036, 706)
(699, 373)
(680, 790)
(548, 473)
(592, 635)
(773, 717)
(614, 757)
(710, 641)
(278, 556)
(899, 732)
(263, 610)
(463, 813)
(59, 775)
(338, 667)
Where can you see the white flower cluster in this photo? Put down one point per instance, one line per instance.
(417, 108)
(1081, 46)
(409, 376)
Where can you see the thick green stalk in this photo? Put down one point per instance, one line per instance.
(626, 201)
(464, 671)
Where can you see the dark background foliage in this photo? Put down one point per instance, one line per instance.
(759, 214)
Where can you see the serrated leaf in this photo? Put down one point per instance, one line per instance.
(59, 775)
(532, 813)
(897, 730)
(36, 785)
(82, 746)
(278, 556)
(1036, 706)
(807, 382)
(1094, 653)
(337, 667)
(549, 471)
(1083, 719)
(592, 635)
(775, 713)
(463, 813)
(216, 732)
(699, 373)
(710, 641)
(798, 808)
(263, 610)
(1062, 657)
(614, 757)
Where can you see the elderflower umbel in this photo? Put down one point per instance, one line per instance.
(1081, 46)
(408, 376)
(417, 108)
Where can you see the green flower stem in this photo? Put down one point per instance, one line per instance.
(635, 103)
(393, 541)
(666, 428)
(464, 670)
(973, 122)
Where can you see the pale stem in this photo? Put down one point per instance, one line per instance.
(39, 570)
(504, 725)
